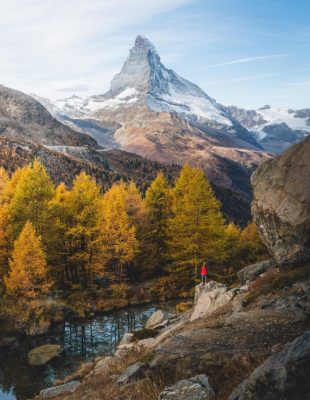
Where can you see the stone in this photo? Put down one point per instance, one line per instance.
(156, 319)
(43, 354)
(281, 204)
(210, 297)
(7, 341)
(126, 339)
(244, 288)
(66, 388)
(196, 388)
(134, 371)
(252, 271)
(105, 363)
(284, 375)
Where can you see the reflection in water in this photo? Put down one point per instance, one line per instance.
(80, 341)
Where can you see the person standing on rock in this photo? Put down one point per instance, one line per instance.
(204, 273)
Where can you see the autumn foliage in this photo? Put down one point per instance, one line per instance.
(56, 237)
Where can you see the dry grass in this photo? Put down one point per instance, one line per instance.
(103, 384)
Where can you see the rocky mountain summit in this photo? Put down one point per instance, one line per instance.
(153, 112)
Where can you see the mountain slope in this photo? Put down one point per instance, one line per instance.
(23, 117)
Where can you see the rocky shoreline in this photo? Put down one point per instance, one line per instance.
(195, 352)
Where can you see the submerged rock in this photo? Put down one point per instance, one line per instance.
(43, 354)
(252, 271)
(284, 375)
(66, 388)
(281, 205)
(196, 388)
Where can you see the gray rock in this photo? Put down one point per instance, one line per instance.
(283, 376)
(252, 271)
(196, 388)
(281, 205)
(244, 288)
(67, 388)
(156, 319)
(134, 371)
(210, 297)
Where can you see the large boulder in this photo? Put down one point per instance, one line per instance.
(156, 319)
(210, 297)
(281, 205)
(196, 388)
(66, 388)
(284, 375)
(252, 271)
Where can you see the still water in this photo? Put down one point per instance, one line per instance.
(81, 342)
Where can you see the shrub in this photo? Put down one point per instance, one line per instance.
(119, 290)
(182, 307)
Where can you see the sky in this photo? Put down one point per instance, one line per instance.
(242, 52)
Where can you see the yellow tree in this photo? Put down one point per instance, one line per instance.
(32, 194)
(158, 200)
(118, 234)
(83, 209)
(4, 178)
(252, 246)
(7, 188)
(27, 283)
(196, 229)
(27, 278)
(233, 241)
(58, 229)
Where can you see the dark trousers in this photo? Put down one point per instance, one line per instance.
(204, 278)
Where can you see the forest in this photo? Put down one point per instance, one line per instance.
(55, 238)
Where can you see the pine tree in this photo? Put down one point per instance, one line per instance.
(32, 194)
(59, 226)
(83, 207)
(158, 200)
(233, 242)
(4, 178)
(27, 278)
(196, 230)
(118, 234)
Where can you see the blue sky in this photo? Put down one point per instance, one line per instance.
(243, 52)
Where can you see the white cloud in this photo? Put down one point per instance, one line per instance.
(78, 41)
(243, 79)
(246, 60)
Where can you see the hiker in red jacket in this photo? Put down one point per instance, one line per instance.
(204, 273)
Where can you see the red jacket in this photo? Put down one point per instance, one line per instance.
(204, 270)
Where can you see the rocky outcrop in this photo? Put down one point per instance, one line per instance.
(64, 389)
(281, 205)
(252, 271)
(283, 376)
(210, 297)
(196, 388)
(134, 371)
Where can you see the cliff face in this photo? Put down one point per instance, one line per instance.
(281, 205)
